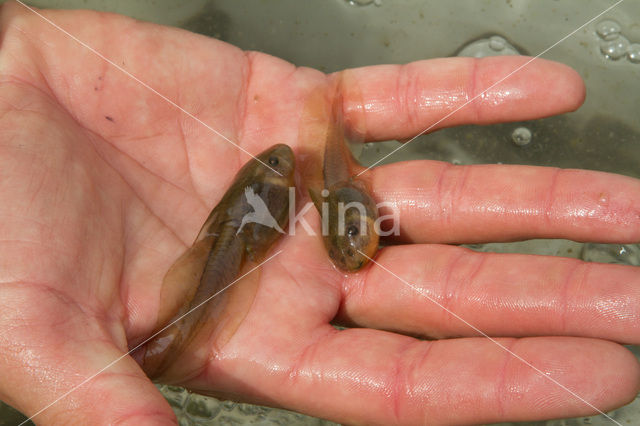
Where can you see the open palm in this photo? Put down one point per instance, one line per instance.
(104, 184)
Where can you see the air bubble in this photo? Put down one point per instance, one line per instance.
(492, 46)
(633, 53)
(360, 2)
(521, 136)
(497, 43)
(615, 49)
(608, 30)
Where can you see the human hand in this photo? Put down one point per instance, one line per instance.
(104, 184)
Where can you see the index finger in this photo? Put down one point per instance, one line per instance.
(401, 101)
(443, 203)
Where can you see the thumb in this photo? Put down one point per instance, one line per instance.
(59, 377)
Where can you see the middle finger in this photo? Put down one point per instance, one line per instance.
(446, 291)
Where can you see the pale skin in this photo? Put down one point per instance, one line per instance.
(103, 184)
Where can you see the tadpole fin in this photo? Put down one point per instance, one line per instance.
(183, 278)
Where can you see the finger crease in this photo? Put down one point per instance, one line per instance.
(447, 299)
(574, 279)
(502, 389)
(399, 388)
(550, 199)
(306, 357)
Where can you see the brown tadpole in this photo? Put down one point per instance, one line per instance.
(195, 303)
(343, 199)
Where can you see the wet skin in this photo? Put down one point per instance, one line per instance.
(346, 205)
(95, 211)
(222, 248)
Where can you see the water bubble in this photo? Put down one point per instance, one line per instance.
(615, 49)
(497, 43)
(608, 30)
(521, 136)
(359, 2)
(492, 46)
(633, 53)
(603, 199)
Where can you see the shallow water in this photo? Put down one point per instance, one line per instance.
(604, 134)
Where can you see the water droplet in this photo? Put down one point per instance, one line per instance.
(608, 30)
(603, 199)
(615, 49)
(497, 43)
(378, 3)
(521, 136)
(492, 46)
(633, 53)
(359, 2)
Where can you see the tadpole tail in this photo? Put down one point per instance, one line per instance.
(223, 264)
(338, 161)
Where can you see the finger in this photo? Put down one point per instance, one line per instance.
(52, 370)
(362, 376)
(400, 101)
(439, 202)
(443, 291)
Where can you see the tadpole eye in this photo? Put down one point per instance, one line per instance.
(273, 161)
(352, 230)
